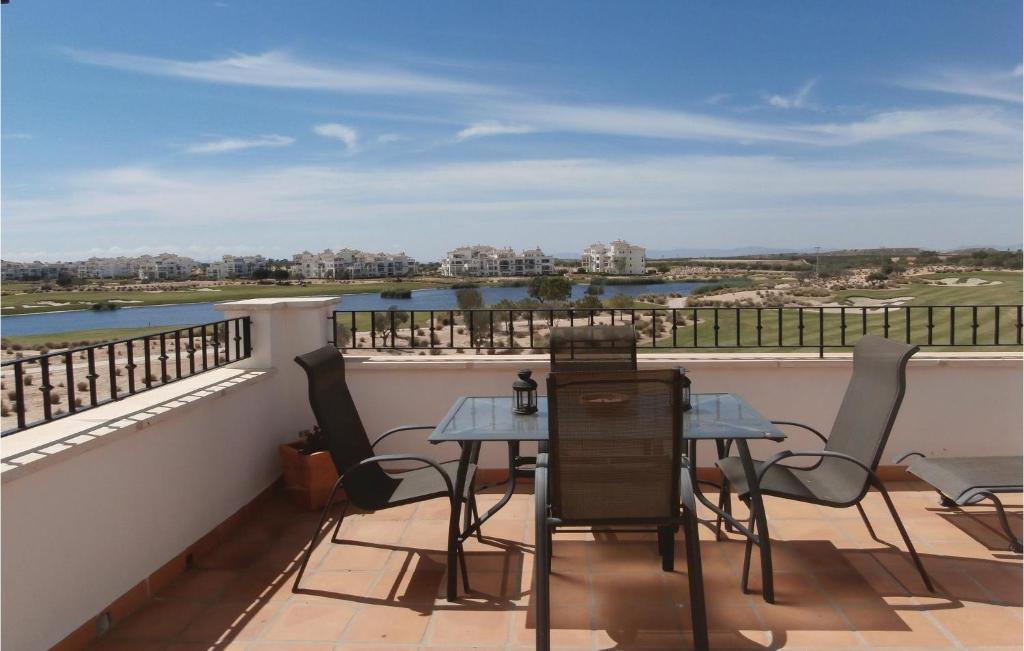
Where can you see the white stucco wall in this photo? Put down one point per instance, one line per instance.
(955, 405)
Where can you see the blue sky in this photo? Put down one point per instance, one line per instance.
(240, 127)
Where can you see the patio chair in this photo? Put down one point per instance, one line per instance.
(593, 348)
(578, 348)
(615, 460)
(966, 481)
(367, 484)
(845, 470)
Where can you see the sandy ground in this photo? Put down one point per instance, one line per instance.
(58, 375)
(970, 282)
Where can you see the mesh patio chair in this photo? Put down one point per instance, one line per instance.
(615, 459)
(367, 484)
(593, 348)
(845, 470)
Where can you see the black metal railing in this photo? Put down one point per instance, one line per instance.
(76, 379)
(749, 328)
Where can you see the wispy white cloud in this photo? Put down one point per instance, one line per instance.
(717, 98)
(492, 128)
(17, 136)
(796, 100)
(225, 145)
(387, 138)
(681, 125)
(346, 134)
(279, 69)
(1002, 85)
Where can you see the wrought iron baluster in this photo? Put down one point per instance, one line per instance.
(800, 325)
(69, 380)
(93, 376)
(202, 340)
(112, 372)
(930, 326)
(191, 350)
(177, 354)
(19, 393)
(842, 327)
(759, 327)
(45, 387)
(216, 342)
(147, 364)
(974, 325)
(716, 328)
(995, 332)
(906, 311)
(130, 366)
(739, 343)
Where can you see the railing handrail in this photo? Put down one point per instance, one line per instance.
(830, 330)
(242, 350)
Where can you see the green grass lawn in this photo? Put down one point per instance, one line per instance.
(1008, 292)
(85, 299)
(69, 339)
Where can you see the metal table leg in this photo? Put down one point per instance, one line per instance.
(454, 538)
(510, 489)
(760, 525)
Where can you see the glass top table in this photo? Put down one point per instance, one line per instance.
(490, 418)
(718, 417)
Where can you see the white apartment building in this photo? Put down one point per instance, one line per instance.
(481, 260)
(235, 266)
(346, 264)
(163, 266)
(620, 257)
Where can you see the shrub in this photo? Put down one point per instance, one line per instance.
(118, 371)
(54, 398)
(82, 386)
(28, 380)
(43, 350)
(78, 402)
(12, 395)
(5, 409)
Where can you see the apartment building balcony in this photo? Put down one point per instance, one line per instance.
(157, 521)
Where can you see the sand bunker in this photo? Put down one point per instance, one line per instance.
(122, 300)
(207, 289)
(968, 282)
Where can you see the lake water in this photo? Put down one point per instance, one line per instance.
(192, 313)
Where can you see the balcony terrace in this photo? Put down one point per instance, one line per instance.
(156, 521)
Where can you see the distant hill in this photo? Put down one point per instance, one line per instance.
(655, 254)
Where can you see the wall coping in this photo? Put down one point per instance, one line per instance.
(264, 304)
(44, 445)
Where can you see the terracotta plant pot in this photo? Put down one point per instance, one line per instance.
(308, 478)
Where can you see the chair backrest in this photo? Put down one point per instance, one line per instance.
(868, 410)
(615, 445)
(593, 348)
(337, 417)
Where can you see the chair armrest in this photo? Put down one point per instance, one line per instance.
(820, 454)
(906, 455)
(405, 457)
(403, 428)
(801, 425)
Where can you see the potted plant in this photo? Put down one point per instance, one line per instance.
(309, 472)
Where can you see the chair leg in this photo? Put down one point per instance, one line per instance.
(695, 579)
(465, 569)
(724, 503)
(867, 523)
(316, 533)
(476, 514)
(747, 549)
(666, 547)
(1015, 542)
(906, 537)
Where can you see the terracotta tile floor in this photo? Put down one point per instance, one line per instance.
(835, 586)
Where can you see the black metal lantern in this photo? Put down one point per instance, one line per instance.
(685, 383)
(524, 390)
